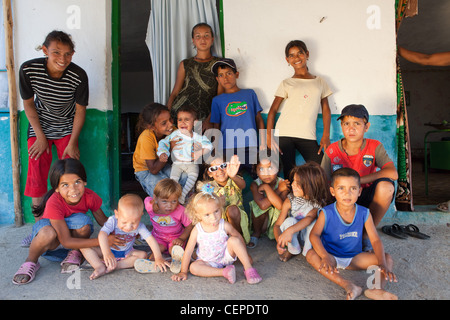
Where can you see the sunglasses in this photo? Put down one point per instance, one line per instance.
(215, 168)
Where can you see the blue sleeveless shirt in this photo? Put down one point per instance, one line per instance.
(341, 239)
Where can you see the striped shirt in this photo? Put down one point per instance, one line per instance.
(55, 99)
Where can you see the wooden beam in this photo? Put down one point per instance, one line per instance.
(12, 98)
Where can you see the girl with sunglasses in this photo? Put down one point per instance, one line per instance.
(223, 178)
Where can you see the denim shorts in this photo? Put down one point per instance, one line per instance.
(75, 221)
(148, 181)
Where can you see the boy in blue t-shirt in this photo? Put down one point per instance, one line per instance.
(237, 113)
(336, 239)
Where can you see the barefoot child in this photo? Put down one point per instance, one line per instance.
(269, 191)
(337, 239)
(299, 211)
(126, 224)
(219, 244)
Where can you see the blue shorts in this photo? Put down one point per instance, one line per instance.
(75, 221)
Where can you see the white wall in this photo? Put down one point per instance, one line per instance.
(89, 24)
(351, 45)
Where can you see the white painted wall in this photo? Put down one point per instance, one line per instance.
(351, 45)
(89, 24)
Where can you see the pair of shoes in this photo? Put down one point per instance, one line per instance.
(252, 276)
(29, 269)
(402, 232)
(253, 242)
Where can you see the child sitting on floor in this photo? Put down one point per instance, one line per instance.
(126, 224)
(336, 239)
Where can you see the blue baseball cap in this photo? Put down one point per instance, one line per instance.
(355, 110)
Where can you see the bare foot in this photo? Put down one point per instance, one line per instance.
(98, 273)
(353, 291)
(379, 294)
(285, 256)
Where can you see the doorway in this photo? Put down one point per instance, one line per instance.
(136, 85)
(427, 94)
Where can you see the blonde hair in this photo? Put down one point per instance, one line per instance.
(198, 200)
(165, 189)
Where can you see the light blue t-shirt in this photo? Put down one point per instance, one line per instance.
(341, 239)
(111, 226)
(236, 112)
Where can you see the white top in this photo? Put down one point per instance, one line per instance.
(301, 105)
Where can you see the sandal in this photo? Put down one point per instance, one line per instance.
(252, 276)
(443, 206)
(395, 231)
(27, 241)
(29, 269)
(145, 266)
(229, 272)
(177, 254)
(73, 260)
(413, 231)
(253, 242)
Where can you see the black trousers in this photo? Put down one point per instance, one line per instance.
(307, 148)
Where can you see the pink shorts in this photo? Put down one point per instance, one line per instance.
(165, 240)
(36, 185)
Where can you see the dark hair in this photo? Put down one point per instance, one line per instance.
(345, 172)
(189, 109)
(149, 114)
(59, 36)
(57, 170)
(313, 182)
(207, 164)
(202, 24)
(295, 43)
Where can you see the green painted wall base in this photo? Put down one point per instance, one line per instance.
(96, 148)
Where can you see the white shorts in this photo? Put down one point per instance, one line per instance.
(342, 263)
(226, 260)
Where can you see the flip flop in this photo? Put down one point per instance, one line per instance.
(145, 266)
(177, 254)
(443, 206)
(29, 269)
(395, 231)
(252, 243)
(413, 231)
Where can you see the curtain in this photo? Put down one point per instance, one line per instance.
(169, 38)
(404, 196)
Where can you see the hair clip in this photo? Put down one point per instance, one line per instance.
(208, 188)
